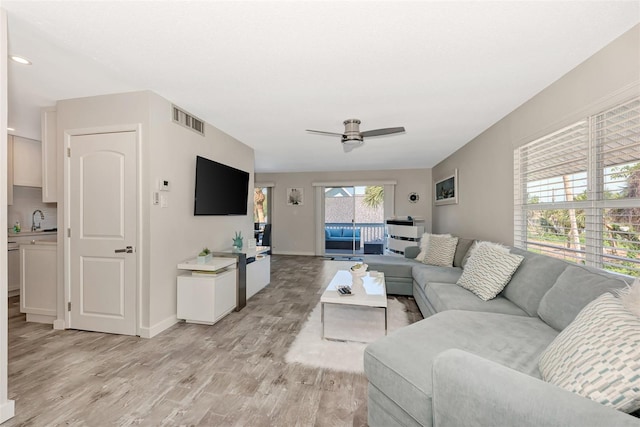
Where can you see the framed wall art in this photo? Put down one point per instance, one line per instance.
(446, 190)
(295, 196)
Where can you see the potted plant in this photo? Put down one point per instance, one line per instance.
(204, 256)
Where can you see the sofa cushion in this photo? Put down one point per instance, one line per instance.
(598, 355)
(400, 363)
(461, 250)
(488, 270)
(350, 232)
(391, 266)
(440, 250)
(327, 234)
(630, 297)
(575, 288)
(535, 276)
(448, 296)
(335, 232)
(423, 274)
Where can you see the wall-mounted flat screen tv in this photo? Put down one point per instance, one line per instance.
(220, 189)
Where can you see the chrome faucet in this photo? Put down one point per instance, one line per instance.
(33, 220)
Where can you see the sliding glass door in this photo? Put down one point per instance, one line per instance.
(354, 220)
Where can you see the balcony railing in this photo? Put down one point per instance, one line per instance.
(369, 231)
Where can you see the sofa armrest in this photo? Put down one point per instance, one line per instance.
(411, 251)
(471, 391)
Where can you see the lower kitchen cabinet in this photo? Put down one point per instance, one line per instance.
(38, 289)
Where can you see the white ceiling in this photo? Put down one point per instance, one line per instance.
(265, 71)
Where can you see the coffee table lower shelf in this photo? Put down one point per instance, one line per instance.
(386, 319)
(368, 291)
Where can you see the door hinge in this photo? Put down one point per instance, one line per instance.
(69, 306)
(68, 151)
(68, 232)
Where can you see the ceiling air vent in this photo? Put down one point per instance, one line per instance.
(187, 120)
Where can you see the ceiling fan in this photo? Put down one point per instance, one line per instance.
(352, 137)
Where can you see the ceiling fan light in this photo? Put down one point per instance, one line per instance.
(20, 59)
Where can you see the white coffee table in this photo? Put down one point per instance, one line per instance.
(372, 293)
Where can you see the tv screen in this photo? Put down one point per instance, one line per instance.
(220, 189)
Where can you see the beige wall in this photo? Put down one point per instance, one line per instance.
(294, 226)
(168, 151)
(485, 164)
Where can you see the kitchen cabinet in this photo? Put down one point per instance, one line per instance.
(49, 164)
(27, 162)
(13, 260)
(10, 170)
(14, 241)
(38, 273)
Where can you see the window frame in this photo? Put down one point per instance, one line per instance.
(596, 203)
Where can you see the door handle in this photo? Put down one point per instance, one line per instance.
(128, 250)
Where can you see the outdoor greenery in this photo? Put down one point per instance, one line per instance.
(373, 196)
(565, 228)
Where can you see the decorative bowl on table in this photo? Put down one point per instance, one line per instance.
(359, 270)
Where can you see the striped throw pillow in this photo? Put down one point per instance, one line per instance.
(598, 355)
(488, 270)
(441, 250)
(424, 244)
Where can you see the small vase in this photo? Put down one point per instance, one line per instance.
(204, 259)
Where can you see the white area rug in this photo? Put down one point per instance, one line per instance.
(343, 323)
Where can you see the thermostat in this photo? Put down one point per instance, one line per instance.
(414, 197)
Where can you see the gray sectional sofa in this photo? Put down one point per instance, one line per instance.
(475, 363)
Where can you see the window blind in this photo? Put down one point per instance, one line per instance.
(577, 191)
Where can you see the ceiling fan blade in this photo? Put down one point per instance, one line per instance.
(380, 132)
(321, 132)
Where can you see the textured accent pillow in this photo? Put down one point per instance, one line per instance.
(488, 270)
(424, 243)
(441, 250)
(598, 355)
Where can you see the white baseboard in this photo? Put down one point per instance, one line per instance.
(294, 253)
(7, 410)
(40, 318)
(59, 324)
(158, 327)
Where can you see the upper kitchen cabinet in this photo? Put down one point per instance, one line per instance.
(9, 170)
(27, 162)
(49, 165)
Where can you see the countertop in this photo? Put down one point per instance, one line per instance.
(32, 233)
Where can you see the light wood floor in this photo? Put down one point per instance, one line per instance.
(232, 373)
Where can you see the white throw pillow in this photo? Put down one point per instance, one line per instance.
(630, 297)
(488, 270)
(598, 355)
(424, 243)
(441, 250)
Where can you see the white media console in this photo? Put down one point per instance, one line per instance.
(208, 292)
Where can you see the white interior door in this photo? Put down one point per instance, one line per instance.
(103, 222)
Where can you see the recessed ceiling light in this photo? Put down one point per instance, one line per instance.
(20, 59)
(11, 129)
